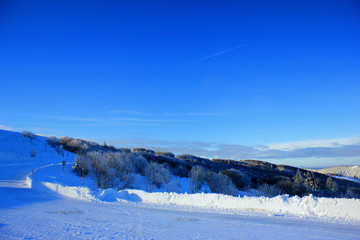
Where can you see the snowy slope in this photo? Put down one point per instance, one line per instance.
(348, 178)
(353, 171)
(16, 159)
(58, 207)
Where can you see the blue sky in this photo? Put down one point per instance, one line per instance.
(214, 78)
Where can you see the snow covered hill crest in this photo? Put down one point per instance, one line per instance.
(346, 171)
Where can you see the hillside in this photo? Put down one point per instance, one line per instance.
(352, 171)
(43, 200)
(244, 174)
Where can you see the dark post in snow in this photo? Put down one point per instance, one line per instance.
(127, 180)
(63, 163)
(83, 176)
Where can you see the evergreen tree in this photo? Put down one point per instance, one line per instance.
(311, 182)
(331, 185)
(298, 179)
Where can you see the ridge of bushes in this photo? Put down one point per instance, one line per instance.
(219, 175)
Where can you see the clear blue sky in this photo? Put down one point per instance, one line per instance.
(172, 74)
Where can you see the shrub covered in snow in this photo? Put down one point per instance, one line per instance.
(270, 190)
(126, 150)
(143, 151)
(156, 175)
(167, 154)
(220, 183)
(194, 160)
(52, 141)
(197, 178)
(100, 168)
(65, 140)
(76, 145)
(217, 182)
(81, 165)
(28, 134)
(110, 169)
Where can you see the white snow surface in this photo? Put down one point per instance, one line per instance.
(348, 178)
(49, 203)
(350, 171)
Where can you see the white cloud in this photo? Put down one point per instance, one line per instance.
(107, 121)
(229, 50)
(144, 120)
(120, 112)
(327, 143)
(7, 128)
(130, 112)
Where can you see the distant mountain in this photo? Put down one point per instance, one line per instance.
(352, 171)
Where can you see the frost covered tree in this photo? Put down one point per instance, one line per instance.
(52, 141)
(121, 166)
(197, 177)
(311, 182)
(298, 179)
(28, 135)
(81, 164)
(112, 169)
(155, 176)
(270, 190)
(101, 170)
(331, 185)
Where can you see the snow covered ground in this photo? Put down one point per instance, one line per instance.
(51, 204)
(346, 171)
(348, 178)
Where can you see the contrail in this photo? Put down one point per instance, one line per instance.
(226, 50)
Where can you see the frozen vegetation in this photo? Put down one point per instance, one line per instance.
(129, 197)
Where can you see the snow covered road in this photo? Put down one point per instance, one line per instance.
(34, 215)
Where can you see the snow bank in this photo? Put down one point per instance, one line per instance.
(308, 206)
(79, 193)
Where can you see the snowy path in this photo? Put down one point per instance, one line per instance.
(36, 215)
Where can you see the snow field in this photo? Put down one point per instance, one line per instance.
(343, 171)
